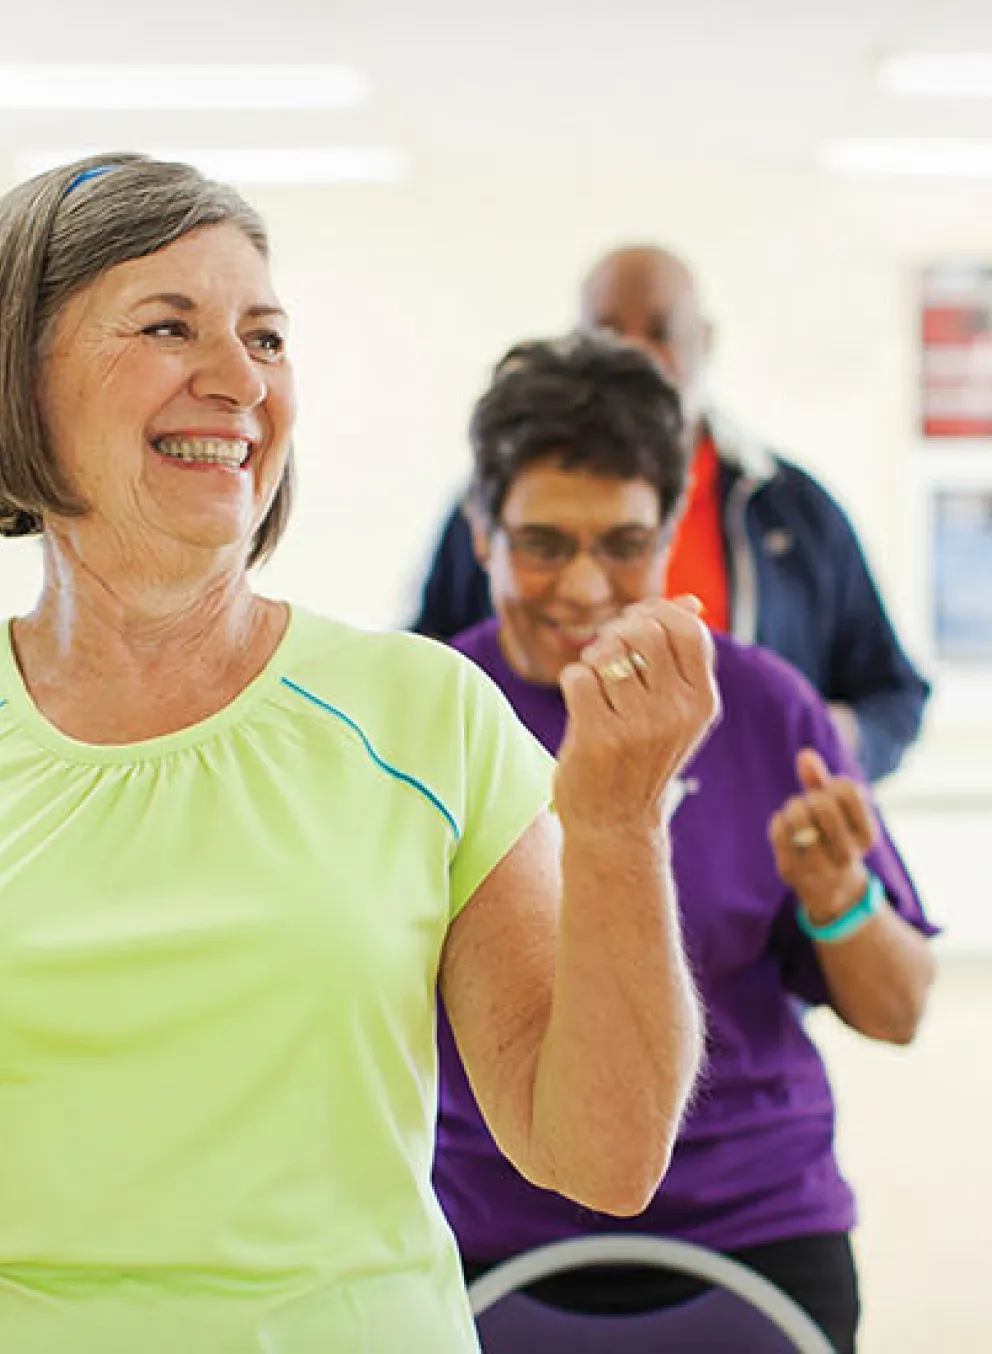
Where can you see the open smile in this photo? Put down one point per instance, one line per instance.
(574, 638)
(225, 453)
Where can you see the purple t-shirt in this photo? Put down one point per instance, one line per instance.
(755, 1159)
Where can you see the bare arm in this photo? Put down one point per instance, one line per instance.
(878, 977)
(565, 982)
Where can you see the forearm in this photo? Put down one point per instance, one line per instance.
(879, 977)
(622, 1045)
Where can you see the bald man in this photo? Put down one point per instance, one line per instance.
(770, 553)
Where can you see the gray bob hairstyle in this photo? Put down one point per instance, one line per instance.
(58, 233)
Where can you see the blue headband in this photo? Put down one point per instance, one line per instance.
(85, 177)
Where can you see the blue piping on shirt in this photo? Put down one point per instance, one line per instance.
(383, 765)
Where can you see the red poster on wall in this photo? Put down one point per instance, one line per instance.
(956, 364)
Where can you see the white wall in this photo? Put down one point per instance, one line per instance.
(403, 296)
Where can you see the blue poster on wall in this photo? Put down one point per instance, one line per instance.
(962, 574)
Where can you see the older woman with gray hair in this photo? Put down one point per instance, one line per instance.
(241, 845)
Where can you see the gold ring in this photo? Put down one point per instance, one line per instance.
(805, 837)
(638, 660)
(617, 670)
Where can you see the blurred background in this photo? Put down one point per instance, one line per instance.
(439, 194)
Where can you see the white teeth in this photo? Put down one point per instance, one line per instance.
(205, 450)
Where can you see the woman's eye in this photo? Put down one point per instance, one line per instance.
(271, 343)
(625, 551)
(544, 549)
(167, 329)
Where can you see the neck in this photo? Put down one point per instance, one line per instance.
(116, 656)
(138, 613)
(141, 605)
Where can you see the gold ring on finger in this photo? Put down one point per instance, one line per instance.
(617, 670)
(805, 837)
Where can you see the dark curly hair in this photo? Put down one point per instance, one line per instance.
(591, 401)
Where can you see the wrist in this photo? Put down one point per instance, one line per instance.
(612, 852)
(823, 909)
(625, 835)
(638, 824)
(848, 923)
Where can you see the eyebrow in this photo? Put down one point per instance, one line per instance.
(179, 301)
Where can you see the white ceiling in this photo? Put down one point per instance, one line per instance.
(573, 84)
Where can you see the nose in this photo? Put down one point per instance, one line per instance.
(228, 373)
(584, 581)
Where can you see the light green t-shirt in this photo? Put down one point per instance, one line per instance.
(218, 955)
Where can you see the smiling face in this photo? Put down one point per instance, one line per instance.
(168, 400)
(549, 611)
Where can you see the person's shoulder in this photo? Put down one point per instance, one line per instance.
(373, 657)
(797, 487)
(454, 538)
(479, 642)
(764, 464)
(413, 702)
(771, 474)
(796, 479)
(791, 498)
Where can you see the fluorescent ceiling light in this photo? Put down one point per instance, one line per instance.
(297, 165)
(938, 75)
(178, 87)
(965, 158)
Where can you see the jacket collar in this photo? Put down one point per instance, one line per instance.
(739, 449)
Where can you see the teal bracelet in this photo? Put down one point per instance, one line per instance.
(851, 922)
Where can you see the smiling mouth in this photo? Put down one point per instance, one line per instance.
(230, 453)
(575, 636)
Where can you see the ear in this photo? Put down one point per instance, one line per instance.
(481, 536)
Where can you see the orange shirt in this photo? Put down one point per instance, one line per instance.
(697, 560)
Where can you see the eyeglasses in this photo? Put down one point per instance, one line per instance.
(545, 550)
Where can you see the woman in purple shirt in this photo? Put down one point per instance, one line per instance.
(791, 893)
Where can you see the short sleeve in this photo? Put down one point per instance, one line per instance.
(507, 782)
(814, 728)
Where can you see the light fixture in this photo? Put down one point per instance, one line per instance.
(134, 88)
(267, 166)
(938, 75)
(943, 157)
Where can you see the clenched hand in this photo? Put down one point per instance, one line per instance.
(640, 702)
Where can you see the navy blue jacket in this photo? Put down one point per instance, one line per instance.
(799, 585)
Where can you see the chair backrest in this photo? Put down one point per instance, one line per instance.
(761, 1319)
